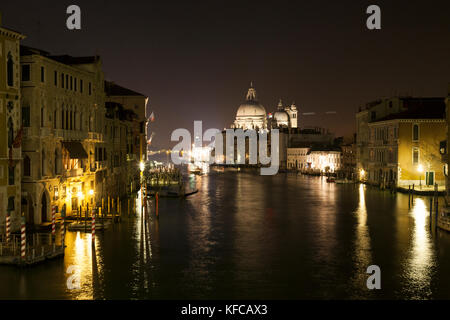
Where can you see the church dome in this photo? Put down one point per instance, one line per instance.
(251, 114)
(281, 115)
(251, 107)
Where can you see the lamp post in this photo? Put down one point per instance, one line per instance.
(420, 169)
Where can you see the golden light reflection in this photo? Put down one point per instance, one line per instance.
(420, 262)
(363, 250)
(80, 256)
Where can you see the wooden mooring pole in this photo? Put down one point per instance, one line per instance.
(409, 196)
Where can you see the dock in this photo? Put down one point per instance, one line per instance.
(40, 247)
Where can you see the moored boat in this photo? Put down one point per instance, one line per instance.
(444, 219)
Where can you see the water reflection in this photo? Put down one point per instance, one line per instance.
(363, 252)
(80, 256)
(420, 265)
(247, 236)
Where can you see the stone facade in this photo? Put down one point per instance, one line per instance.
(63, 109)
(10, 133)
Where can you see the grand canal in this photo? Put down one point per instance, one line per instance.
(257, 237)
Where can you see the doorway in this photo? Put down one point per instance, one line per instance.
(429, 178)
(44, 208)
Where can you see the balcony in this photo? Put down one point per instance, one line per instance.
(74, 173)
(30, 132)
(95, 137)
(131, 157)
(70, 134)
(45, 132)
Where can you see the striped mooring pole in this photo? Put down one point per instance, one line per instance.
(63, 231)
(93, 226)
(53, 221)
(23, 239)
(8, 227)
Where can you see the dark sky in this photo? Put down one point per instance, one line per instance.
(195, 59)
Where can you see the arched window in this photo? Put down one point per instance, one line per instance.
(10, 70)
(27, 166)
(71, 120)
(81, 121)
(10, 132)
(62, 118)
(54, 119)
(67, 120)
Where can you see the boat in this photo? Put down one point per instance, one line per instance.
(444, 219)
(168, 193)
(81, 226)
(331, 179)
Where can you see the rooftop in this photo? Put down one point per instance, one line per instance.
(419, 108)
(112, 89)
(65, 59)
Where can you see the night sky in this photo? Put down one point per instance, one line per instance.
(195, 59)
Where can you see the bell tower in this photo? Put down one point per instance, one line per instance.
(292, 112)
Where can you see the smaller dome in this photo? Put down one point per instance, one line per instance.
(281, 116)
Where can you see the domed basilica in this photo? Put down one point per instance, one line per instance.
(252, 115)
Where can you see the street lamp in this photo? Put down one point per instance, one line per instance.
(362, 173)
(420, 169)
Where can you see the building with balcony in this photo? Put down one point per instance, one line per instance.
(10, 128)
(63, 114)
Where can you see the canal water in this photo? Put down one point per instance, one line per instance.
(245, 236)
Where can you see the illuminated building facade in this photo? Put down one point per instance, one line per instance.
(10, 146)
(314, 159)
(404, 148)
(63, 110)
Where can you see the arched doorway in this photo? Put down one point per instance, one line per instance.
(44, 208)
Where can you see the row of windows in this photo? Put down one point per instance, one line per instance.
(68, 119)
(66, 81)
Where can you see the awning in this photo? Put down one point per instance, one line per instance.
(75, 149)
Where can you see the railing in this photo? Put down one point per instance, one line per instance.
(70, 134)
(95, 136)
(131, 157)
(30, 131)
(73, 173)
(45, 132)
